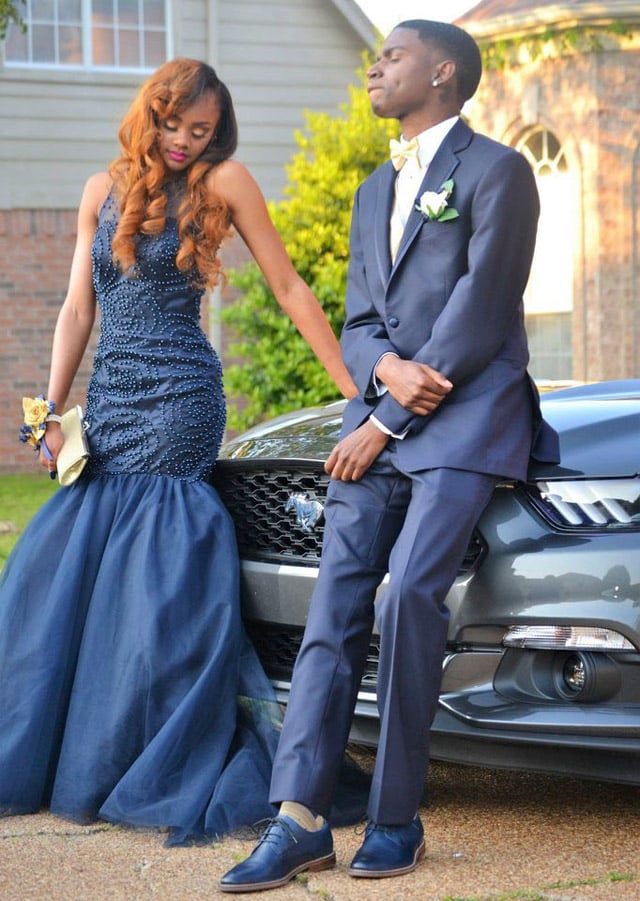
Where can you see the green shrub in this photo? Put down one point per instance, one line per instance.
(277, 371)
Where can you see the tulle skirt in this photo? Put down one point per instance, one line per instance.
(128, 689)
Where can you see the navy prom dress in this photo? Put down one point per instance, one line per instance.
(128, 689)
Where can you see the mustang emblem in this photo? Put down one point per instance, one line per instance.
(308, 510)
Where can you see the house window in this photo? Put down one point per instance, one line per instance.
(90, 34)
(548, 299)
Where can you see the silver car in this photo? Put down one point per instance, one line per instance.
(542, 666)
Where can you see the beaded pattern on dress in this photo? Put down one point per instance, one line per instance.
(155, 402)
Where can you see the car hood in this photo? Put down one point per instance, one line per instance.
(308, 434)
(598, 425)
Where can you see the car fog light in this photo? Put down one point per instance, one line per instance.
(573, 673)
(586, 677)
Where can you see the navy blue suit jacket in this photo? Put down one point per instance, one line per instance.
(452, 299)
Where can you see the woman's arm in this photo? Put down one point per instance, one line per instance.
(249, 215)
(77, 314)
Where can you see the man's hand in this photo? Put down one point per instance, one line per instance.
(350, 459)
(416, 386)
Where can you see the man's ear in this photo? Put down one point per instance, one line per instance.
(445, 71)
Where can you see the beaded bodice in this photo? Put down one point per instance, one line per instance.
(155, 402)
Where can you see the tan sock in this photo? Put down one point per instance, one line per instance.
(302, 816)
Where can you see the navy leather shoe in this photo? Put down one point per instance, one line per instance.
(284, 850)
(389, 850)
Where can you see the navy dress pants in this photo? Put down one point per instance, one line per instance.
(417, 527)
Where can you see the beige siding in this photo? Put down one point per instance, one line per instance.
(279, 57)
(57, 129)
(191, 18)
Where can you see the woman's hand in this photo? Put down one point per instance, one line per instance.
(50, 446)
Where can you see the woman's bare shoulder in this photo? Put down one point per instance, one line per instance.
(228, 175)
(232, 181)
(96, 191)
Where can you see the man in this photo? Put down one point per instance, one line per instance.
(441, 246)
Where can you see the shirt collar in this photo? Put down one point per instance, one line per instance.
(430, 140)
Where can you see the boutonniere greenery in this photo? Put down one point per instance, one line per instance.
(435, 205)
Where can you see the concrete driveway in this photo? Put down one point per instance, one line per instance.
(490, 835)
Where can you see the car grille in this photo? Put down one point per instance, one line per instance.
(256, 496)
(256, 499)
(278, 647)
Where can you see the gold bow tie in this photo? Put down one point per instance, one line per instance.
(401, 151)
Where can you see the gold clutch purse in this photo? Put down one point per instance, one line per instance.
(74, 453)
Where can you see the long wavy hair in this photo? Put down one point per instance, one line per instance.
(139, 174)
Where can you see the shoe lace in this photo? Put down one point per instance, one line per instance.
(270, 828)
(368, 827)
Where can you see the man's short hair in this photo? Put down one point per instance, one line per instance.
(458, 46)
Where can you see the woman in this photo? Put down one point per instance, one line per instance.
(122, 653)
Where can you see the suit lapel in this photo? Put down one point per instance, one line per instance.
(384, 203)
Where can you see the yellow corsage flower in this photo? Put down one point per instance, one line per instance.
(36, 411)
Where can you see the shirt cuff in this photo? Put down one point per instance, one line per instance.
(380, 387)
(385, 430)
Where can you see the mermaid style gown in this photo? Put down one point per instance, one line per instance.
(128, 689)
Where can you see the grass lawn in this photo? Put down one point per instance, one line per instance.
(20, 497)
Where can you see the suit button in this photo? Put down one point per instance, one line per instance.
(393, 322)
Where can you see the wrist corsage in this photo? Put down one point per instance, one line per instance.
(435, 206)
(36, 412)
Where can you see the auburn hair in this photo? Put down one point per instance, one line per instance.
(139, 173)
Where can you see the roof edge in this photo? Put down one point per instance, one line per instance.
(559, 15)
(359, 21)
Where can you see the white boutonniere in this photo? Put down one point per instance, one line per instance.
(435, 205)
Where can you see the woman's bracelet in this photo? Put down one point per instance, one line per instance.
(37, 412)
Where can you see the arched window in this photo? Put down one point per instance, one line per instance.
(549, 294)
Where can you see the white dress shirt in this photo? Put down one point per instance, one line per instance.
(410, 176)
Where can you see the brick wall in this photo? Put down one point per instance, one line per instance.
(35, 248)
(591, 103)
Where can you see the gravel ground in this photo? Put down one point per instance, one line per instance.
(490, 835)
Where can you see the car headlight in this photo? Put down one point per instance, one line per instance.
(592, 503)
